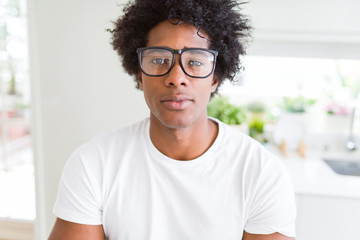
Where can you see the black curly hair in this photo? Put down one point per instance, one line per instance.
(228, 30)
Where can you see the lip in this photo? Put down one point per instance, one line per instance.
(176, 102)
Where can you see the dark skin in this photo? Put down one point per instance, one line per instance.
(180, 131)
(71, 231)
(64, 230)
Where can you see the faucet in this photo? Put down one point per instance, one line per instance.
(350, 144)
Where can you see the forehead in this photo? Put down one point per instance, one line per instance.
(178, 36)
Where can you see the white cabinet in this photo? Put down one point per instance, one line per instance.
(329, 218)
(307, 28)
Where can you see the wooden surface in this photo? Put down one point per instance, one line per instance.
(16, 230)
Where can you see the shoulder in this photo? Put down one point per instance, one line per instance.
(107, 147)
(88, 174)
(234, 133)
(241, 144)
(251, 157)
(266, 185)
(113, 139)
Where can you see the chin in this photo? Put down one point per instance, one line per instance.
(176, 124)
(177, 120)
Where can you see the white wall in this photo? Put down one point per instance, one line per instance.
(78, 87)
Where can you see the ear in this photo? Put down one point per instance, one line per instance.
(139, 79)
(215, 83)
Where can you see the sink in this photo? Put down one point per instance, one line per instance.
(344, 166)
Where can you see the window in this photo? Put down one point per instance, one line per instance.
(16, 160)
(333, 83)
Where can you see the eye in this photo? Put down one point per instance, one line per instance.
(159, 61)
(195, 63)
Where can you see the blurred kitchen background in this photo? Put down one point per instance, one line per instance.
(297, 93)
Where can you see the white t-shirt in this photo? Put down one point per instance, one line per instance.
(120, 180)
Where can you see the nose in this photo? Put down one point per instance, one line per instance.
(176, 77)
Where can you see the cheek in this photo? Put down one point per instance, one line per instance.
(149, 92)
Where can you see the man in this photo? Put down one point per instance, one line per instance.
(177, 175)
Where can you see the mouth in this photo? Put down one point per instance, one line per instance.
(176, 98)
(176, 102)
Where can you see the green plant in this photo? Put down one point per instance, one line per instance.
(256, 129)
(220, 108)
(296, 105)
(256, 107)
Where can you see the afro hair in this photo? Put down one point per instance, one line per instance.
(228, 30)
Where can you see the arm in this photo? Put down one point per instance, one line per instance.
(273, 236)
(273, 207)
(64, 230)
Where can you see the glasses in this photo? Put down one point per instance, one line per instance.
(195, 62)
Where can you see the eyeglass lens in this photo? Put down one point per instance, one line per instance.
(195, 62)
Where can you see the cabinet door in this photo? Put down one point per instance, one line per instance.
(305, 28)
(327, 218)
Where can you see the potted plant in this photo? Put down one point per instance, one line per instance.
(220, 107)
(291, 127)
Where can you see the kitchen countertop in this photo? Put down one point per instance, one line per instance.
(312, 176)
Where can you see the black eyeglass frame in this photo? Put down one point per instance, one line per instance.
(176, 51)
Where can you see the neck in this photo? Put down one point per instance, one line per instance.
(185, 143)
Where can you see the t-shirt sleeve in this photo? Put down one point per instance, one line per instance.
(273, 208)
(79, 192)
